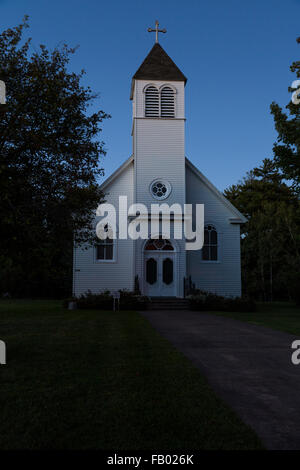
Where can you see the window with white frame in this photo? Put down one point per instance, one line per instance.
(210, 246)
(167, 102)
(105, 247)
(159, 103)
(151, 102)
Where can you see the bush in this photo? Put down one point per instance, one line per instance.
(104, 301)
(131, 301)
(202, 301)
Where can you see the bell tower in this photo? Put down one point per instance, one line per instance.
(157, 94)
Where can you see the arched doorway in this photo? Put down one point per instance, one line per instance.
(160, 279)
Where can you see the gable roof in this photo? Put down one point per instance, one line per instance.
(238, 218)
(159, 66)
(116, 173)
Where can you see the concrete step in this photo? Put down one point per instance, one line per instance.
(164, 307)
(168, 303)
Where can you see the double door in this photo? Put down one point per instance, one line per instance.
(159, 275)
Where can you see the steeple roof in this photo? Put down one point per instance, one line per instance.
(159, 66)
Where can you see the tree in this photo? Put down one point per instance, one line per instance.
(260, 184)
(271, 237)
(287, 148)
(49, 164)
(270, 245)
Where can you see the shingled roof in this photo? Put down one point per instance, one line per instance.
(159, 66)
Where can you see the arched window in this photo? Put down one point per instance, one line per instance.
(105, 248)
(167, 102)
(151, 102)
(159, 244)
(210, 246)
(159, 103)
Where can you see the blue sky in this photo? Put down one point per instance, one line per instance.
(236, 56)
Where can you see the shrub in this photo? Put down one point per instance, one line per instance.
(207, 301)
(132, 301)
(104, 301)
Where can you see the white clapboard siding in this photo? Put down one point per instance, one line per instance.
(222, 277)
(97, 276)
(158, 147)
(159, 153)
(139, 91)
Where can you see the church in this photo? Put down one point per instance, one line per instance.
(158, 170)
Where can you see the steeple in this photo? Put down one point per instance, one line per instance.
(159, 66)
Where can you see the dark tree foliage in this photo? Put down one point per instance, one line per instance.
(49, 164)
(271, 237)
(287, 148)
(270, 245)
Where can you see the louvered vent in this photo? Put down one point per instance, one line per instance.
(167, 102)
(151, 102)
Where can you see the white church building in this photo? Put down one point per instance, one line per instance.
(158, 170)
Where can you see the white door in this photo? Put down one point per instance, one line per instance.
(159, 275)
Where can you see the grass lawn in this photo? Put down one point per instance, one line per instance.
(282, 316)
(104, 380)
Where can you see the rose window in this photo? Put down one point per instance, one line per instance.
(160, 189)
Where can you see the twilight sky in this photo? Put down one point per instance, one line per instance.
(236, 56)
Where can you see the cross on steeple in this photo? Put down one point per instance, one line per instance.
(156, 30)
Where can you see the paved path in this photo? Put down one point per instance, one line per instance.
(249, 366)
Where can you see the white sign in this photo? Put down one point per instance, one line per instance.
(116, 300)
(2, 92)
(2, 352)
